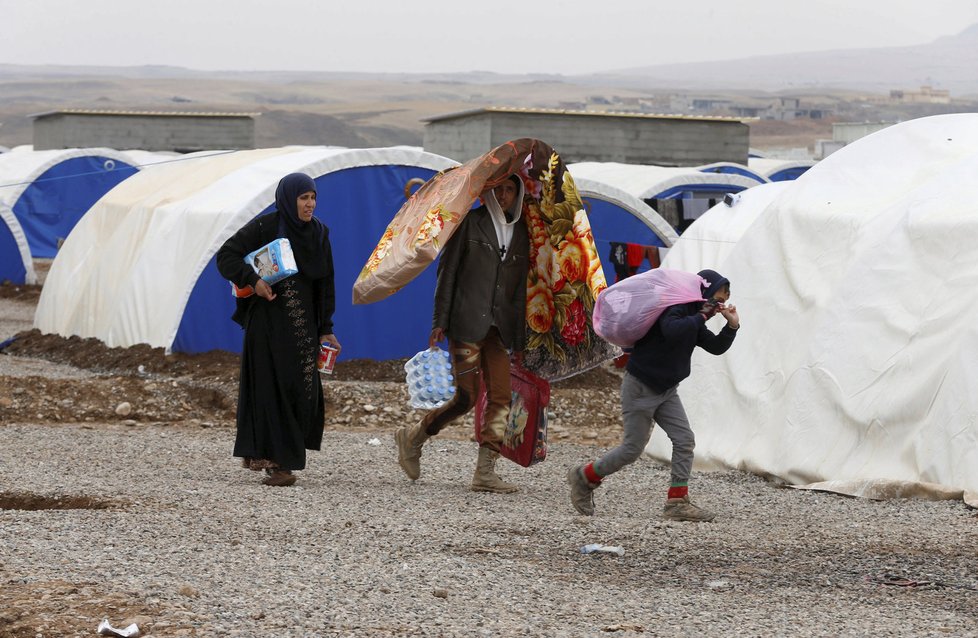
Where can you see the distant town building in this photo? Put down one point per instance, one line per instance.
(582, 136)
(182, 132)
(781, 108)
(698, 103)
(849, 132)
(846, 133)
(926, 95)
(824, 148)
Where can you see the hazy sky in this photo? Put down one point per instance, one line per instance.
(506, 36)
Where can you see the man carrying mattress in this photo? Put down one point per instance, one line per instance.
(480, 306)
(659, 361)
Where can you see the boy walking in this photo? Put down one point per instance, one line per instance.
(659, 362)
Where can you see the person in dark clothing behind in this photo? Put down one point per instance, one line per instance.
(280, 395)
(659, 361)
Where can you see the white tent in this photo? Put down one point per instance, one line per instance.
(143, 158)
(777, 170)
(708, 240)
(617, 216)
(138, 268)
(591, 189)
(735, 168)
(658, 182)
(854, 369)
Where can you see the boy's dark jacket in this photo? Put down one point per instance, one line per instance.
(661, 359)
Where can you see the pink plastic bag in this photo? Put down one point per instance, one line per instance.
(625, 311)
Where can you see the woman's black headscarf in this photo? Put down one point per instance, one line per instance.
(307, 238)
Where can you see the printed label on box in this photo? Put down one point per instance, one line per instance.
(273, 262)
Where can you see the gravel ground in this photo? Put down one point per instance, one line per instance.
(200, 548)
(144, 517)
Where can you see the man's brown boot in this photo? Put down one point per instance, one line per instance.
(409, 440)
(485, 478)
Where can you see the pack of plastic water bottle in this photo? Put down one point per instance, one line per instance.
(429, 378)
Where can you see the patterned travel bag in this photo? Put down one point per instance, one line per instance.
(525, 438)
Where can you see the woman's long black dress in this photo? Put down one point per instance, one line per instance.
(280, 396)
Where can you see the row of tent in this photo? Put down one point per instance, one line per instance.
(43, 194)
(140, 232)
(853, 370)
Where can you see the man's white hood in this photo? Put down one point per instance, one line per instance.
(504, 229)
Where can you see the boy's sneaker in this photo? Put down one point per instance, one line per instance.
(682, 509)
(582, 491)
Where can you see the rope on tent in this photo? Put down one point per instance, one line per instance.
(53, 179)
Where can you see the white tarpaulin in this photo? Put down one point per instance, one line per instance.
(856, 359)
(126, 270)
(648, 182)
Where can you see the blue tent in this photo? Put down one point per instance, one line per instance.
(15, 255)
(154, 279)
(356, 204)
(48, 191)
(616, 216)
(777, 170)
(732, 168)
(661, 182)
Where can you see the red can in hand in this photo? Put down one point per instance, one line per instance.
(327, 358)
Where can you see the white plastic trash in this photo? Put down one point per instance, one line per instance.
(597, 548)
(106, 629)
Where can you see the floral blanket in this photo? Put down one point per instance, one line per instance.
(565, 272)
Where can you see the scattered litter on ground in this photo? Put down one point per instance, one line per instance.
(106, 629)
(597, 548)
(896, 580)
(624, 627)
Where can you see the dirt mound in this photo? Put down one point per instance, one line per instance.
(35, 502)
(143, 386)
(25, 612)
(218, 365)
(92, 354)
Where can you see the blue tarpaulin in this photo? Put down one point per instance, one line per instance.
(356, 204)
(54, 201)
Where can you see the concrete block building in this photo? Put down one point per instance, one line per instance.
(586, 136)
(182, 132)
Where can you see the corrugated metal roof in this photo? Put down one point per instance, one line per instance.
(143, 113)
(538, 111)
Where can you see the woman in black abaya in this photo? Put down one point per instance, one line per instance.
(280, 397)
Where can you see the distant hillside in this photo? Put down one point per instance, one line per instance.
(949, 63)
(382, 109)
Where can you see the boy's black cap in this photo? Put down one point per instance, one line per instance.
(714, 282)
